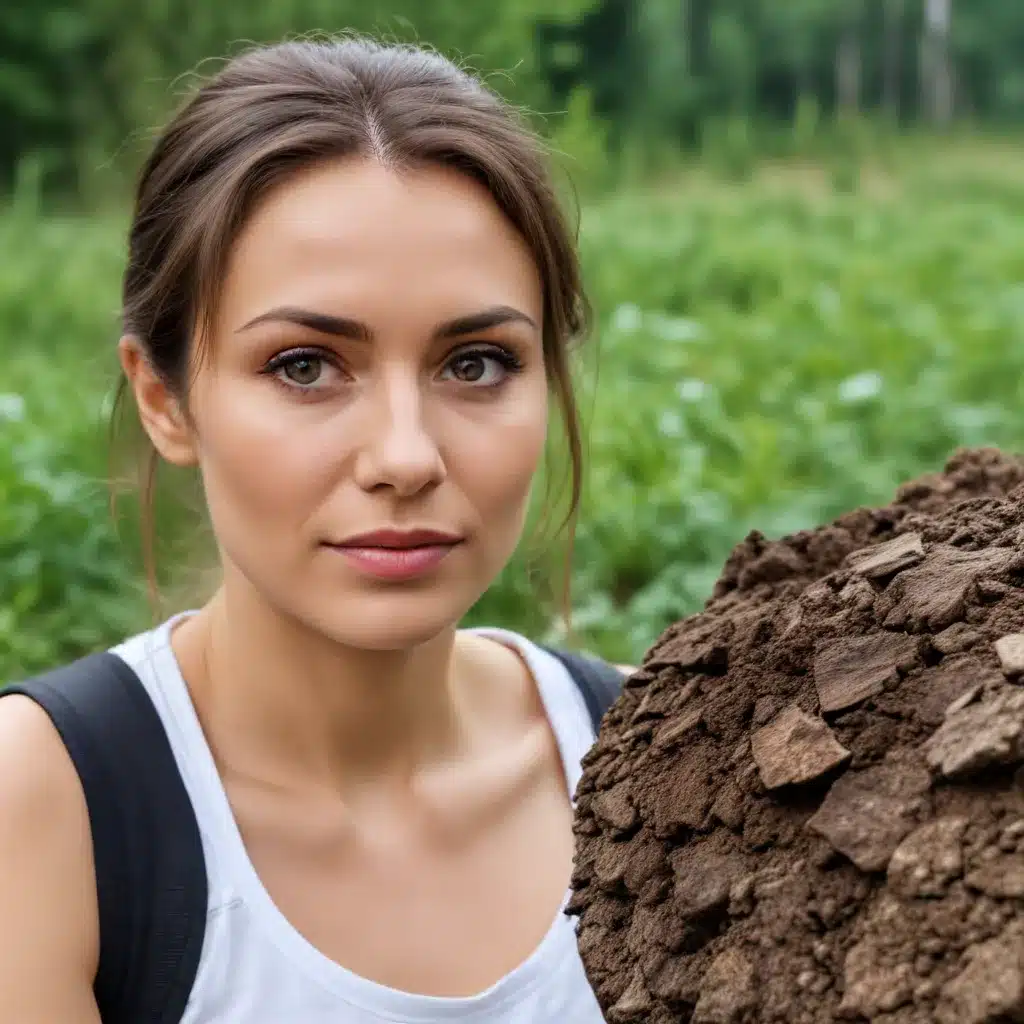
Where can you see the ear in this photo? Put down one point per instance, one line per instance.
(162, 415)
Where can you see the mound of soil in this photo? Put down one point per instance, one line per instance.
(808, 804)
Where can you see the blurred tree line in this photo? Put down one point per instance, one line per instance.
(671, 66)
(82, 83)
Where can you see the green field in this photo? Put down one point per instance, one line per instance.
(769, 354)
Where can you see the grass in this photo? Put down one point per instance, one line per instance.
(770, 353)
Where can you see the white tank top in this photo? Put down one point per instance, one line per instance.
(256, 968)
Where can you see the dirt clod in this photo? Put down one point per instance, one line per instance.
(929, 859)
(888, 558)
(728, 990)
(808, 804)
(865, 815)
(990, 988)
(851, 669)
(979, 735)
(1010, 649)
(795, 748)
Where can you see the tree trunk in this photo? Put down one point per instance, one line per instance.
(892, 64)
(697, 19)
(936, 70)
(848, 64)
(695, 24)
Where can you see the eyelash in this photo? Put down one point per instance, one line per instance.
(506, 358)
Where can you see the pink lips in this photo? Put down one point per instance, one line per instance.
(396, 554)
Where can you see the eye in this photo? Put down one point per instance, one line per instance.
(304, 370)
(300, 369)
(483, 368)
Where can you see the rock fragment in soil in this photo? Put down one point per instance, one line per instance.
(888, 558)
(935, 594)
(616, 809)
(930, 859)
(1002, 878)
(796, 748)
(979, 736)
(872, 983)
(866, 814)
(677, 731)
(851, 669)
(635, 1004)
(956, 638)
(990, 988)
(808, 804)
(728, 991)
(968, 697)
(1010, 649)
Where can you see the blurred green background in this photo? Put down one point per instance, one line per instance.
(801, 222)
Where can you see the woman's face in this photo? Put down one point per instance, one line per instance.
(376, 364)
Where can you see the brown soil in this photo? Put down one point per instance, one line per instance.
(808, 804)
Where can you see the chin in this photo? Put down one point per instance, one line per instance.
(389, 621)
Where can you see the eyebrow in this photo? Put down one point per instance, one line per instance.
(354, 330)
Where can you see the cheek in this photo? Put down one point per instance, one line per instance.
(257, 469)
(497, 462)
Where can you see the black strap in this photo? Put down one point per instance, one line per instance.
(150, 870)
(599, 683)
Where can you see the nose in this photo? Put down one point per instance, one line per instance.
(400, 452)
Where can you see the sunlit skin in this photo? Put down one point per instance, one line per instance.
(375, 360)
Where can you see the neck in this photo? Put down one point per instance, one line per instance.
(281, 703)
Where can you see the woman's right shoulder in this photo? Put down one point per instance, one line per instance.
(47, 888)
(41, 796)
(37, 775)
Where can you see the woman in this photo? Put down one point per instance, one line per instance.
(349, 294)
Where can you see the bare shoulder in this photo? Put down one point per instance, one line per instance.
(49, 942)
(516, 699)
(493, 658)
(37, 778)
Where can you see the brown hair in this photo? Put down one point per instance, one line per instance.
(274, 110)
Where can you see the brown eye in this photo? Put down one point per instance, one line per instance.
(305, 370)
(469, 368)
(487, 367)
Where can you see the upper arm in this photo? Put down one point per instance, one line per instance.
(49, 927)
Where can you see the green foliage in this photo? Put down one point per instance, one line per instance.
(847, 152)
(729, 146)
(67, 583)
(579, 142)
(694, 63)
(769, 355)
(84, 86)
(806, 123)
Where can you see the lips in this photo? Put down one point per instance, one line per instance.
(397, 554)
(399, 539)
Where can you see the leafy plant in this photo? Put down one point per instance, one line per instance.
(768, 355)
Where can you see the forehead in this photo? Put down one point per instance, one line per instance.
(359, 239)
